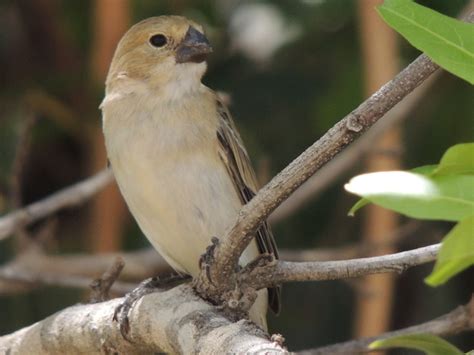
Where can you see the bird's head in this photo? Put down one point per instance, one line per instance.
(165, 53)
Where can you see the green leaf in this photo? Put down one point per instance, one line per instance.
(444, 197)
(425, 169)
(458, 159)
(456, 254)
(357, 206)
(429, 344)
(447, 41)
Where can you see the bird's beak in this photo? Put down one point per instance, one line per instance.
(194, 47)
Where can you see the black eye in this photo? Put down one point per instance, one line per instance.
(158, 40)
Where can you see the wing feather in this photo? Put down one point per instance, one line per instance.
(237, 162)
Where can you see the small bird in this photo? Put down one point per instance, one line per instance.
(175, 152)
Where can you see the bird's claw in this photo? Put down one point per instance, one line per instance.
(206, 259)
(121, 316)
(150, 285)
(122, 311)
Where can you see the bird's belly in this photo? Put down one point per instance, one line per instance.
(180, 203)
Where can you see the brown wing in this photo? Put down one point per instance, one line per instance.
(237, 162)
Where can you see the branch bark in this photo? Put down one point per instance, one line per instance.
(174, 321)
(287, 271)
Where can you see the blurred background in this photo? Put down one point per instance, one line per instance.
(289, 69)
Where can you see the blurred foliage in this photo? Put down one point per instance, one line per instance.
(429, 344)
(281, 106)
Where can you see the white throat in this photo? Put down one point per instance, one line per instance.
(185, 80)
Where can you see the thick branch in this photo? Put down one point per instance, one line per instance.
(280, 187)
(175, 321)
(459, 320)
(68, 197)
(155, 314)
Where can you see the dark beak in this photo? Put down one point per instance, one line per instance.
(194, 48)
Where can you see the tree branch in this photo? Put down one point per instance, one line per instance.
(16, 280)
(350, 156)
(458, 320)
(194, 322)
(174, 321)
(102, 285)
(289, 271)
(252, 215)
(33, 268)
(227, 252)
(67, 197)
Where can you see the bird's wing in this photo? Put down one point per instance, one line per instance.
(237, 163)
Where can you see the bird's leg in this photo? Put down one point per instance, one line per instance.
(236, 300)
(145, 287)
(206, 259)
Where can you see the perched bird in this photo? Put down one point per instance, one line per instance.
(175, 152)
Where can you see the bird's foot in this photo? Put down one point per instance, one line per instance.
(236, 297)
(206, 259)
(145, 287)
(244, 295)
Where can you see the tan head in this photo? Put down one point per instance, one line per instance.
(160, 52)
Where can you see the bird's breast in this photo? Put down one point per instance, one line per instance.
(170, 174)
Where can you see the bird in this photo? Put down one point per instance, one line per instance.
(174, 149)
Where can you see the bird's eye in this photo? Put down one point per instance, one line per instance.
(158, 40)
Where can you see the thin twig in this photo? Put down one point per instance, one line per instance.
(21, 156)
(67, 197)
(288, 271)
(19, 161)
(29, 277)
(31, 264)
(101, 286)
(458, 320)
